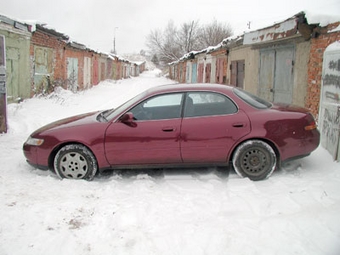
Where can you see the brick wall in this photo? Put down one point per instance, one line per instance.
(318, 47)
(71, 52)
(57, 51)
(42, 39)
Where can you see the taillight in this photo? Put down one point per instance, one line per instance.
(311, 126)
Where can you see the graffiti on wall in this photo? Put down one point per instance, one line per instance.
(329, 117)
(330, 126)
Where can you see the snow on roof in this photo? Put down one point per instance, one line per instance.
(138, 63)
(311, 17)
(321, 19)
(114, 57)
(33, 24)
(15, 23)
(335, 29)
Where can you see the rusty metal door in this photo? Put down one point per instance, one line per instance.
(96, 71)
(194, 73)
(329, 114)
(13, 87)
(3, 94)
(220, 67)
(87, 72)
(237, 73)
(200, 72)
(276, 74)
(42, 69)
(284, 74)
(240, 73)
(102, 71)
(180, 72)
(188, 73)
(233, 71)
(72, 74)
(266, 75)
(207, 72)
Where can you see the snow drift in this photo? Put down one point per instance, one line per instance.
(198, 211)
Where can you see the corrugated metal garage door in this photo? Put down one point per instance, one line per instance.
(276, 74)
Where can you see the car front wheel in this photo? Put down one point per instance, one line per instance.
(75, 161)
(254, 159)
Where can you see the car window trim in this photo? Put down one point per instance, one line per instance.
(209, 91)
(162, 94)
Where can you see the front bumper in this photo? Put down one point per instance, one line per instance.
(33, 158)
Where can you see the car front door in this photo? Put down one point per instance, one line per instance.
(211, 125)
(154, 136)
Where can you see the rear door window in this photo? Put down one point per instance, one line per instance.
(208, 104)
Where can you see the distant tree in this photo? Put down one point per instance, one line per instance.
(189, 36)
(155, 60)
(164, 44)
(214, 33)
(142, 53)
(172, 43)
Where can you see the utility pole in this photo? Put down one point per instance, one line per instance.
(114, 41)
(3, 101)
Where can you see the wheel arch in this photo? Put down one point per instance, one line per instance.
(270, 143)
(57, 148)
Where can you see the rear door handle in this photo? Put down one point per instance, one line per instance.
(238, 125)
(168, 129)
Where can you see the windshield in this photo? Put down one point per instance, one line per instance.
(252, 100)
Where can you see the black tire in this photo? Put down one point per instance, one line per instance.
(254, 159)
(75, 161)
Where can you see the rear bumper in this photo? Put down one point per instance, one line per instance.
(299, 148)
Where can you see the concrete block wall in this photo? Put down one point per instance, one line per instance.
(317, 49)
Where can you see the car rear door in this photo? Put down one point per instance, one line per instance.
(211, 125)
(154, 139)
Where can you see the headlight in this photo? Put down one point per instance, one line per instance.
(34, 141)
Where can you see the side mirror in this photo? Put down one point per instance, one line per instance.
(128, 119)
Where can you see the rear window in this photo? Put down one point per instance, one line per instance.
(252, 100)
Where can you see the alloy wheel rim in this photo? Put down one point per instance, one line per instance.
(73, 165)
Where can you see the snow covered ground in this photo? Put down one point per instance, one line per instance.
(208, 211)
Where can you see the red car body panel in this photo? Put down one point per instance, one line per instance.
(150, 142)
(179, 141)
(209, 138)
(286, 130)
(84, 129)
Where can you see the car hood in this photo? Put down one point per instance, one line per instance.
(82, 119)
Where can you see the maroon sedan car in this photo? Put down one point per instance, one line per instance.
(182, 125)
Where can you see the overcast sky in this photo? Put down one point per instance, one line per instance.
(93, 22)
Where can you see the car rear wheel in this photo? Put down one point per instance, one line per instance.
(254, 159)
(75, 161)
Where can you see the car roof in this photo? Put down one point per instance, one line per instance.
(180, 87)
